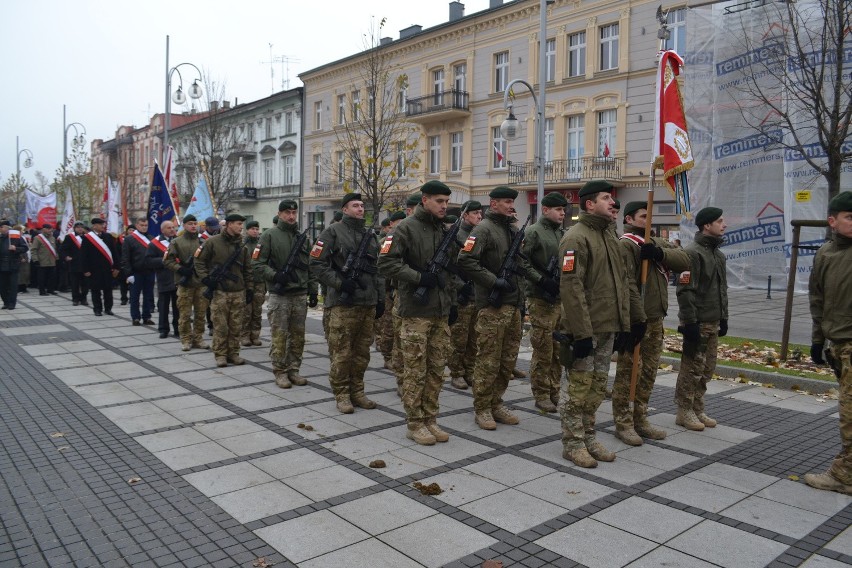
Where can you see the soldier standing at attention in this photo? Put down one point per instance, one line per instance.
(498, 327)
(830, 292)
(353, 305)
(702, 294)
(253, 316)
(662, 257)
(541, 245)
(384, 327)
(289, 294)
(424, 327)
(600, 303)
(224, 253)
(462, 333)
(192, 305)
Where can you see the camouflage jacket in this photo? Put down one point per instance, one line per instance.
(216, 252)
(702, 291)
(541, 242)
(270, 255)
(182, 253)
(830, 291)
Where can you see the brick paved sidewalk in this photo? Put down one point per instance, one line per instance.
(227, 474)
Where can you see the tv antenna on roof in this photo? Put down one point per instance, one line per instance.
(285, 61)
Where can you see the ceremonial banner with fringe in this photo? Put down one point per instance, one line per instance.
(672, 150)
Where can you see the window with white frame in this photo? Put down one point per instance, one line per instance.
(371, 103)
(289, 170)
(548, 139)
(501, 71)
(341, 166)
(248, 174)
(438, 87)
(318, 115)
(288, 122)
(401, 161)
(356, 169)
(609, 47)
(356, 105)
(250, 132)
(460, 77)
(575, 143)
(341, 109)
(676, 20)
(550, 59)
(434, 155)
(267, 134)
(577, 54)
(456, 150)
(268, 172)
(499, 149)
(317, 168)
(606, 132)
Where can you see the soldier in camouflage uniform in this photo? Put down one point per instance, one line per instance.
(498, 327)
(352, 305)
(384, 326)
(702, 294)
(662, 257)
(289, 294)
(541, 245)
(830, 293)
(396, 358)
(253, 316)
(462, 334)
(192, 305)
(424, 329)
(232, 293)
(602, 310)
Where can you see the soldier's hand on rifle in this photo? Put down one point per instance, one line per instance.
(549, 285)
(637, 332)
(503, 285)
(312, 300)
(429, 280)
(723, 328)
(207, 281)
(348, 286)
(691, 332)
(249, 296)
(583, 348)
(380, 309)
(816, 353)
(454, 315)
(650, 251)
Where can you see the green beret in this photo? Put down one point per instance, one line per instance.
(435, 187)
(554, 199)
(287, 205)
(189, 218)
(454, 211)
(397, 216)
(338, 216)
(841, 202)
(349, 197)
(634, 206)
(414, 199)
(472, 205)
(253, 224)
(503, 192)
(386, 222)
(275, 220)
(594, 186)
(616, 205)
(451, 218)
(707, 215)
(233, 217)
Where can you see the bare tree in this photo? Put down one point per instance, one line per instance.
(800, 84)
(379, 147)
(13, 203)
(76, 176)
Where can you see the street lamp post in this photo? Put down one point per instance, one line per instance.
(179, 97)
(27, 163)
(79, 137)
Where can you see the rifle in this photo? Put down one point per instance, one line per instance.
(357, 263)
(221, 272)
(551, 271)
(293, 261)
(441, 259)
(466, 291)
(509, 265)
(191, 265)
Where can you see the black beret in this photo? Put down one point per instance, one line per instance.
(79, 224)
(253, 224)
(385, 222)
(503, 192)
(451, 218)
(233, 217)
(707, 215)
(414, 199)
(97, 221)
(435, 187)
(634, 206)
(350, 197)
(841, 202)
(594, 186)
(210, 221)
(287, 205)
(275, 220)
(5, 223)
(472, 205)
(397, 216)
(186, 218)
(616, 205)
(554, 199)
(338, 216)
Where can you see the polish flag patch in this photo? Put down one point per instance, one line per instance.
(317, 250)
(685, 277)
(568, 261)
(256, 252)
(386, 246)
(469, 244)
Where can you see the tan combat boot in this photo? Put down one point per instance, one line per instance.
(221, 361)
(581, 457)
(546, 405)
(420, 434)
(554, 398)
(689, 420)
(827, 482)
(200, 344)
(459, 383)
(282, 381)
(519, 374)
(647, 430)
(361, 401)
(485, 421)
(436, 431)
(344, 405)
(298, 379)
(706, 420)
(628, 436)
(245, 341)
(185, 346)
(255, 340)
(503, 415)
(599, 452)
(236, 360)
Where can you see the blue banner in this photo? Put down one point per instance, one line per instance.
(160, 206)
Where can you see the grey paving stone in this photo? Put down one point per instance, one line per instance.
(100, 357)
(261, 501)
(294, 462)
(774, 516)
(381, 512)
(732, 477)
(201, 413)
(402, 462)
(74, 377)
(806, 403)
(647, 519)
(658, 458)
(301, 414)
(504, 435)
(126, 370)
(181, 402)
(699, 494)
(368, 419)
(662, 557)
(513, 510)
(61, 361)
(804, 497)
(253, 442)
(697, 442)
(460, 449)
(593, 543)
(145, 422)
(194, 455)
(107, 393)
(329, 482)
(311, 535)
(371, 552)
(322, 428)
(727, 546)
(229, 428)
(448, 540)
(565, 490)
(171, 439)
(362, 445)
(227, 478)
(33, 329)
(842, 543)
(264, 402)
(130, 410)
(233, 395)
(509, 470)
(817, 561)
(462, 487)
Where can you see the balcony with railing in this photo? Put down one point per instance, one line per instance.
(244, 194)
(567, 171)
(438, 106)
(327, 189)
(278, 192)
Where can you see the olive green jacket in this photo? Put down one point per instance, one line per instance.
(675, 259)
(270, 255)
(181, 252)
(541, 242)
(830, 291)
(702, 291)
(598, 293)
(405, 253)
(216, 252)
(40, 253)
(328, 256)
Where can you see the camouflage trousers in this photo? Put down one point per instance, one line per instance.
(226, 310)
(696, 368)
(396, 353)
(384, 328)
(192, 306)
(350, 333)
(463, 336)
(841, 467)
(253, 314)
(498, 337)
(649, 359)
(582, 392)
(286, 316)
(545, 369)
(425, 345)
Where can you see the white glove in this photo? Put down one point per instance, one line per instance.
(131, 279)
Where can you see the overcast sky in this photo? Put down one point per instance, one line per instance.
(105, 60)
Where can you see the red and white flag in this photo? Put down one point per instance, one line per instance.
(606, 150)
(672, 151)
(68, 218)
(171, 179)
(498, 153)
(41, 209)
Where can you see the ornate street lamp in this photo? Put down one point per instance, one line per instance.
(179, 97)
(78, 139)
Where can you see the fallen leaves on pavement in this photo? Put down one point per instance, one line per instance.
(134, 480)
(261, 562)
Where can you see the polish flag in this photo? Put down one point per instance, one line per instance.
(499, 154)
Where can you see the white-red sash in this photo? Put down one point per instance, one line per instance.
(161, 245)
(101, 246)
(205, 235)
(44, 240)
(77, 240)
(143, 240)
